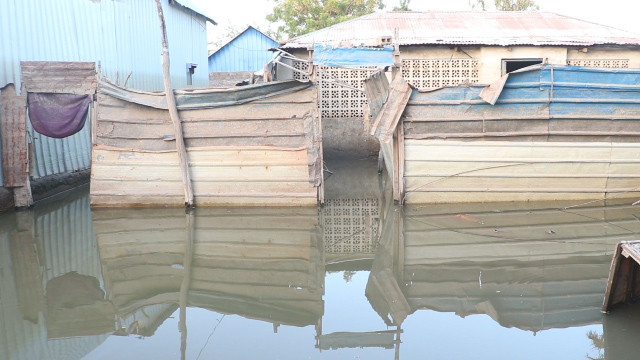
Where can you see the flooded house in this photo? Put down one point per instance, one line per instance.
(503, 106)
(61, 48)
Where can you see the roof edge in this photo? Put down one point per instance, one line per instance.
(238, 35)
(190, 6)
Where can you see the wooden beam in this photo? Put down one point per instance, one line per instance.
(173, 111)
(15, 155)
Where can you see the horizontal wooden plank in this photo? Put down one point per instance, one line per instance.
(221, 156)
(505, 151)
(277, 173)
(495, 182)
(59, 77)
(220, 129)
(288, 106)
(201, 188)
(511, 169)
(290, 141)
(178, 201)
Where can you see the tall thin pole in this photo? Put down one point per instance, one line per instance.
(173, 112)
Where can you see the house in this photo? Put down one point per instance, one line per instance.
(439, 48)
(59, 47)
(239, 58)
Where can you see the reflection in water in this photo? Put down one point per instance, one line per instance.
(70, 278)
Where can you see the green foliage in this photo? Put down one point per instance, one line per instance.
(404, 6)
(505, 5)
(298, 17)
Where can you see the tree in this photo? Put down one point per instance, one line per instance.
(505, 5)
(298, 17)
(404, 6)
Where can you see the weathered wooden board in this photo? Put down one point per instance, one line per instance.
(265, 151)
(13, 127)
(481, 171)
(59, 77)
(623, 285)
(220, 176)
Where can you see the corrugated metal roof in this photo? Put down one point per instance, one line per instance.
(189, 5)
(469, 28)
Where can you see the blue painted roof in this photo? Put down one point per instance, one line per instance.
(248, 51)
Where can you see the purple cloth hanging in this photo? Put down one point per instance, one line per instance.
(58, 115)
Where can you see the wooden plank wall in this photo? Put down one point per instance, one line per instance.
(266, 152)
(572, 139)
(255, 262)
(440, 171)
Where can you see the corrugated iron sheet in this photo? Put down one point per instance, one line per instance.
(469, 28)
(80, 30)
(246, 52)
(55, 156)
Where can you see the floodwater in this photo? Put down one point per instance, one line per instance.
(357, 279)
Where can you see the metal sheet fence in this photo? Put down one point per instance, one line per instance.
(54, 156)
(80, 30)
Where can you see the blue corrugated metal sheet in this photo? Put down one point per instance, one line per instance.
(352, 57)
(548, 91)
(246, 52)
(123, 36)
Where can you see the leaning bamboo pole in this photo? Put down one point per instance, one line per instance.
(173, 112)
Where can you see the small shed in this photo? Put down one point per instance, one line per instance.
(240, 57)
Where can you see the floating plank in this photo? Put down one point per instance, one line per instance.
(623, 286)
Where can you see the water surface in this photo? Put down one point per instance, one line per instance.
(357, 279)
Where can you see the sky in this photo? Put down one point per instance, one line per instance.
(621, 14)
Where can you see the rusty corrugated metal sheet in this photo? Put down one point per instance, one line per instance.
(469, 28)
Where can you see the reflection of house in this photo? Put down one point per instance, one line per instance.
(449, 48)
(239, 58)
(533, 267)
(262, 264)
(53, 242)
(98, 34)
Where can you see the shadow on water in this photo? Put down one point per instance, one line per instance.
(76, 278)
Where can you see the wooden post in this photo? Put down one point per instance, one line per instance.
(396, 54)
(15, 153)
(173, 112)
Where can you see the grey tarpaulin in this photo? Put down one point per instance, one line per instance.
(58, 115)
